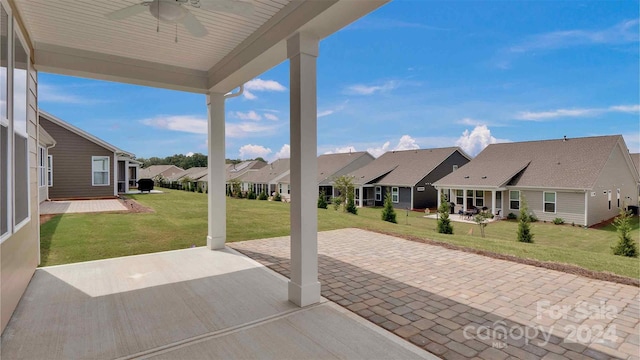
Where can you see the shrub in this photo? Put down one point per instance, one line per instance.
(263, 196)
(573, 223)
(524, 228)
(277, 197)
(251, 195)
(322, 201)
(533, 218)
(512, 216)
(351, 203)
(336, 203)
(388, 212)
(626, 246)
(558, 221)
(444, 223)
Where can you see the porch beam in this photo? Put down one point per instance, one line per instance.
(464, 200)
(304, 288)
(217, 201)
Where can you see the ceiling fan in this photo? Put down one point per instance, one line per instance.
(175, 11)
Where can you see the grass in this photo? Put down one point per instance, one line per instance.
(180, 221)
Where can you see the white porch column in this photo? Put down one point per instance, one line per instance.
(464, 200)
(493, 202)
(302, 51)
(439, 195)
(217, 221)
(361, 199)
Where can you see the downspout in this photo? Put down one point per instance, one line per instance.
(115, 173)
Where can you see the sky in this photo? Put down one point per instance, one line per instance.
(413, 74)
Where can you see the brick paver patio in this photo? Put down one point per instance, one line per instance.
(462, 305)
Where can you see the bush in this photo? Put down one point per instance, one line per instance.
(444, 223)
(277, 197)
(322, 201)
(351, 204)
(533, 218)
(336, 203)
(524, 228)
(626, 246)
(263, 196)
(251, 195)
(558, 221)
(512, 216)
(388, 212)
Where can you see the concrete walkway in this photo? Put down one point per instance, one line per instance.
(81, 206)
(461, 305)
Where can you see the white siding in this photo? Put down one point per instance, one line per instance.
(569, 206)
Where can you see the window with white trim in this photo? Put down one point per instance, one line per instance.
(395, 195)
(499, 200)
(100, 170)
(49, 170)
(514, 199)
(378, 193)
(5, 149)
(42, 166)
(479, 198)
(549, 202)
(459, 197)
(20, 135)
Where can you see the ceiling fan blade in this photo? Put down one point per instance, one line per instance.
(126, 12)
(193, 25)
(242, 8)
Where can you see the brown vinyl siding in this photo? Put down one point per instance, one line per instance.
(19, 253)
(72, 166)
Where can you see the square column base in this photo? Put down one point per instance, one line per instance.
(215, 243)
(304, 295)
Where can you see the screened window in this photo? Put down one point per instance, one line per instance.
(4, 180)
(42, 166)
(479, 198)
(395, 195)
(100, 168)
(549, 202)
(514, 200)
(378, 193)
(499, 199)
(459, 197)
(20, 145)
(50, 170)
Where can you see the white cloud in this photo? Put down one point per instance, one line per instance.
(251, 115)
(377, 151)
(250, 151)
(284, 153)
(341, 150)
(406, 142)
(271, 117)
(189, 154)
(621, 33)
(577, 112)
(57, 94)
(184, 123)
(261, 85)
(333, 110)
(325, 113)
(475, 141)
(360, 89)
(468, 121)
(249, 129)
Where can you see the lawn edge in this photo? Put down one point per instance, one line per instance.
(562, 267)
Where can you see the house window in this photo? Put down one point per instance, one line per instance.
(50, 170)
(549, 202)
(288, 189)
(514, 200)
(618, 197)
(100, 169)
(5, 148)
(20, 135)
(378, 193)
(479, 198)
(4, 180)
(609, 197)
(499, 200)
(459, 197)
(279, 188)
(395, 195)
(455, 167)
(42, 166)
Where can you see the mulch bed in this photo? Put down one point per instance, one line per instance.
(567, 268)
(134, 206)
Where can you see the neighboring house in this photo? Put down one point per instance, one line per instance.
(45, 164)
(583, 180)
(235, 172)
(407, 176)
(636, 162)
(154, 171)
(190, 174)
(267, 178)
(331, 166)
(84, 166)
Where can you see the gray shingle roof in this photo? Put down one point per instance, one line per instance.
(191, 173)
(267, 173)
(636, 161)
(572, 164)
(330, 164)
(153, 170)
(237, 171)
(402, 168)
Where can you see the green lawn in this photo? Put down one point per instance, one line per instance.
(180, 221)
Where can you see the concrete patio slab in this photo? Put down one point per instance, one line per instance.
(462, 305)
(192, 303)
(81, 206)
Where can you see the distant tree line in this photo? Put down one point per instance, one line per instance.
(184, 161)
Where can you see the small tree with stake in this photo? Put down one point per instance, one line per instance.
(322, 201)
(481, 219)
(524, 226)
(388, 213)
(626, 246)
(444, 223)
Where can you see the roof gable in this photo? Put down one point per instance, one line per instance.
(268, 173)
(330, 164)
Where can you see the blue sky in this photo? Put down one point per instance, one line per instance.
(413, 74)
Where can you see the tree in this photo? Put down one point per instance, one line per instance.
(186, 183)
(481, 219)
(322, 201)
(388, 212)
(524, 227)
(236, 188)
(444, 223)
(626, 246)
(351, 202)
(344, 184)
